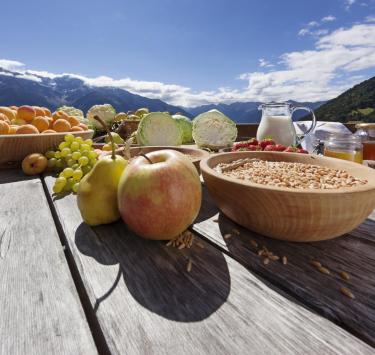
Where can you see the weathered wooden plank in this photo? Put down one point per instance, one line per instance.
(40, 309)
(148, 303)
(353, 253)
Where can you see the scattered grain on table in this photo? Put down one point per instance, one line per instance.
(344, 275)
(324, 270)
(315, 263)
(345, 291)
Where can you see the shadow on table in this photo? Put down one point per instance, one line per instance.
(156, 275)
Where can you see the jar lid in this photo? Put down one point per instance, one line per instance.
(365, 125)
(343, 138)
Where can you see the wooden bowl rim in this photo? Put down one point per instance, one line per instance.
(33, 135)
(370, 185)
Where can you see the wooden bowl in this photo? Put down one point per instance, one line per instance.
(290, 214)
(195, 154)
(14, 147)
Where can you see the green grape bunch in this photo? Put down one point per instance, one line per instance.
(73, 159)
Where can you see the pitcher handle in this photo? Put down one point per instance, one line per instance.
(313, 122)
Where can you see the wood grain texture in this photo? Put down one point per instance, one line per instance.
(148, 303)
(40, 309)
(353, 253)
(291, 214)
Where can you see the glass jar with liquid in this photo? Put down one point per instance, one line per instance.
(346, 147)
(366, 131)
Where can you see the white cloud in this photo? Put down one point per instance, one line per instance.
(332, 66)
(263, 63)
(11, 64)
(313, 24)
(328, 18)
(370, 18)
(303, 32)
(349, 3)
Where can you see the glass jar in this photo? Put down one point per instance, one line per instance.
(347, 147)
(366, 131)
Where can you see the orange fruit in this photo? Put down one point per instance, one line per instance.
(73, 120)
(83, 126)
(61, 125)
(47, 112)
(27, 129)
(8, 112)
(12, 129)
(50, 121)
(26, 113)
(41, 123)
(56, 115)
(38, 111)
(48, 131)
(4, 118)
(4, 127)
(76, 129)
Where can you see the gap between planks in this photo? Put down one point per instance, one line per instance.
(91, 318)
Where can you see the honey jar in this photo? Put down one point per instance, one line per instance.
(366, 131)
(344, 146)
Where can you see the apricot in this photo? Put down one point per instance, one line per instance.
(48, 131)
(26, 113)
(18, 122)
(4, 118)
(12, 129)
(8, 112)
(61, 125)
(27, 129)
(4, 127)
(41, 123)
(76, 129)
(38, 111)
(14, 108)
(56, 115)
(73, 121)
(50, 121)
(83, 126)
(47, 112)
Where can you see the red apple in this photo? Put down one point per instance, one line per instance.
(160, 197)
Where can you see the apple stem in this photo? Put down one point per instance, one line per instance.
(105, 126)
(146, 157)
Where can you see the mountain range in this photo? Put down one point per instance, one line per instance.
(358, 103)
(16, 89)
(248, 112)
(355, 104)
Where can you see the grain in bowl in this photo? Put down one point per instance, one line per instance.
(288, 174)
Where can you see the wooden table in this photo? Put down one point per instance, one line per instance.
(68, 288)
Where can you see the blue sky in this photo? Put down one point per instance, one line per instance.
(191, 52)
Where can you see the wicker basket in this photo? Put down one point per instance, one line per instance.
(14, 147)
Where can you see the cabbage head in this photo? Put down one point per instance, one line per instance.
(72, 111)
(214, 130)
(158, 128)
(186, 127)
(106, 112)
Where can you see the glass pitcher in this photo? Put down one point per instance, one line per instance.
(277, 123)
